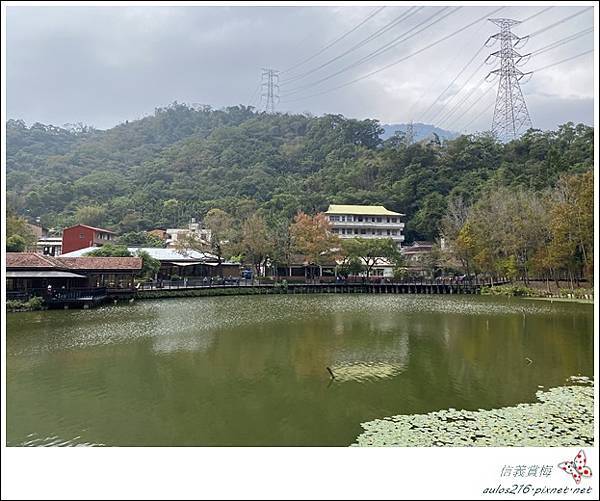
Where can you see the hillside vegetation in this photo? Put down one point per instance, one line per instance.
(183, 161)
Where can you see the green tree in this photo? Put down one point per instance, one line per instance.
(256, 244)
(110, 250)
(92, 215)
(15, 243)
(140, 239)
(150, 265)
(371, 252)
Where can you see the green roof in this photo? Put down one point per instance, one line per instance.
(361, 210)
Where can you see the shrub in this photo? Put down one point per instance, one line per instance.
(35, 303)
(509, 290)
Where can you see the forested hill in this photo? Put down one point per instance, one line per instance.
(181, 162)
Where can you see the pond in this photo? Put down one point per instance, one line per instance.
(252, 370)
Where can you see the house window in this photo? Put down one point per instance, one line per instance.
(388, 232)
(379, 220)
(333, 218)
(359, 219)
(372, 219)
(394, 232)
(356, 231)
(81, 236)
(342, 218)
(363, 231)
(394, 219)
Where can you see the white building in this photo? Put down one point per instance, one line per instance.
(194, 228)
(366, 221)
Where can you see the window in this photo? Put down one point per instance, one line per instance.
(379, 220)
(388, 220)
(388, 232)
(363, 231)
(359, 219)
(394, 219)
(394, 232)
(342, 218)
(81, 236)
(355, 231)
(334, 218)
(372, 219)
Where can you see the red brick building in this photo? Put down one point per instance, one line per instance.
(81, 236)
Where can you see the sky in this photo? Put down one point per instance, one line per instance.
(102, 65)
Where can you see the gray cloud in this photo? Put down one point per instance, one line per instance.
(104, 65)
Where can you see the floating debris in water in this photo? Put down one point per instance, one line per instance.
(361, 371)
(580, 380)
(564, 417)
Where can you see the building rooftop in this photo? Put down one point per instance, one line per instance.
(91, 228)
(29, 260)
(168, 254)
(361, 210)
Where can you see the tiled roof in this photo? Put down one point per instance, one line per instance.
(361, 210)
(102, 263)
(29, 260)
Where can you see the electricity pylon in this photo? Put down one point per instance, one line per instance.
(269, 89)
(511, 116)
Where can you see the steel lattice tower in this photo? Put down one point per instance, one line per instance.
(511, 116)
(269, 89)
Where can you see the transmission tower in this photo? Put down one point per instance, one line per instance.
(511, 116)
(410, 133)
(269, 96)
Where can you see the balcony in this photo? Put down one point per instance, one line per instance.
(399, 238)
(367, 224)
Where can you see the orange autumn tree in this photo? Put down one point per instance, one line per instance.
(312, 237)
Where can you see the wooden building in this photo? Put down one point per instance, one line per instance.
(30, 274)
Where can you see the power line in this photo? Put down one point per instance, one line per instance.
(381, 50)
(535, 33)
(473, 104)
(451, 83)
(373, 36)
(563, 61)
(563, 41)
(491, 87)
(423, 49)
(331, 44)
(448, 114)
(470, 61)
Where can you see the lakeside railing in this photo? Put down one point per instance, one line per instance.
(325, 281)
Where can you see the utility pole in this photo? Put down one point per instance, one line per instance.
(511, 117)
(269, 96)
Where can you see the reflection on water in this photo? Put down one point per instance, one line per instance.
(252, 370)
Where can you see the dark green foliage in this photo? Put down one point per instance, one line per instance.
(15, 243)
(140, 239)
(110, 250)
(182, 161)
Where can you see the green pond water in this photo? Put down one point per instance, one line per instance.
(253, 370)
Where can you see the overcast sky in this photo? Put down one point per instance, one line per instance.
(105, 65)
